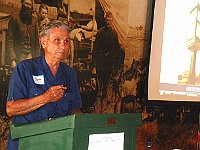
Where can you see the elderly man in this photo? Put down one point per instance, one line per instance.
(44, 87)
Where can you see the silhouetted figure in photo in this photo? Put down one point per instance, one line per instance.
(105, 53)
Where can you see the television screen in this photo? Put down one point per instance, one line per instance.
(107, 141)
(174, 68)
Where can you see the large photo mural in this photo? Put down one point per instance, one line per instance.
(106, 46)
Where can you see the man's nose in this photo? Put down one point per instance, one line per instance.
(63, 45)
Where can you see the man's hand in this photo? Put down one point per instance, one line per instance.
(54, 93)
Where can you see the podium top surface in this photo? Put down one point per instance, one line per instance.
(77, 121)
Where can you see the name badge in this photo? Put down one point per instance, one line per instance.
(38, 79)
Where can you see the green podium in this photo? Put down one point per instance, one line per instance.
(80, 132)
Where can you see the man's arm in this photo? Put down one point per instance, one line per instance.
(24, 106)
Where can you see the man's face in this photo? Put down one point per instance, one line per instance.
(27, 4)
(57, 44)
(109, 19)
(26, 12)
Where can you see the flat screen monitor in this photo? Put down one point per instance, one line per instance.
(174, 67)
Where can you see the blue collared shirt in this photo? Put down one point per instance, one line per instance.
(33, 77)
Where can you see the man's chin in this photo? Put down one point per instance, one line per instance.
(61, 58)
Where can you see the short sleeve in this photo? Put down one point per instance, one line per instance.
(17, 84)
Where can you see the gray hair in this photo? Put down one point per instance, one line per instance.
(53, 24)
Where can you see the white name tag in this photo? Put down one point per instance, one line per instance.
(38, 79)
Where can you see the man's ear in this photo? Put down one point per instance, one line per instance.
(43, 41)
